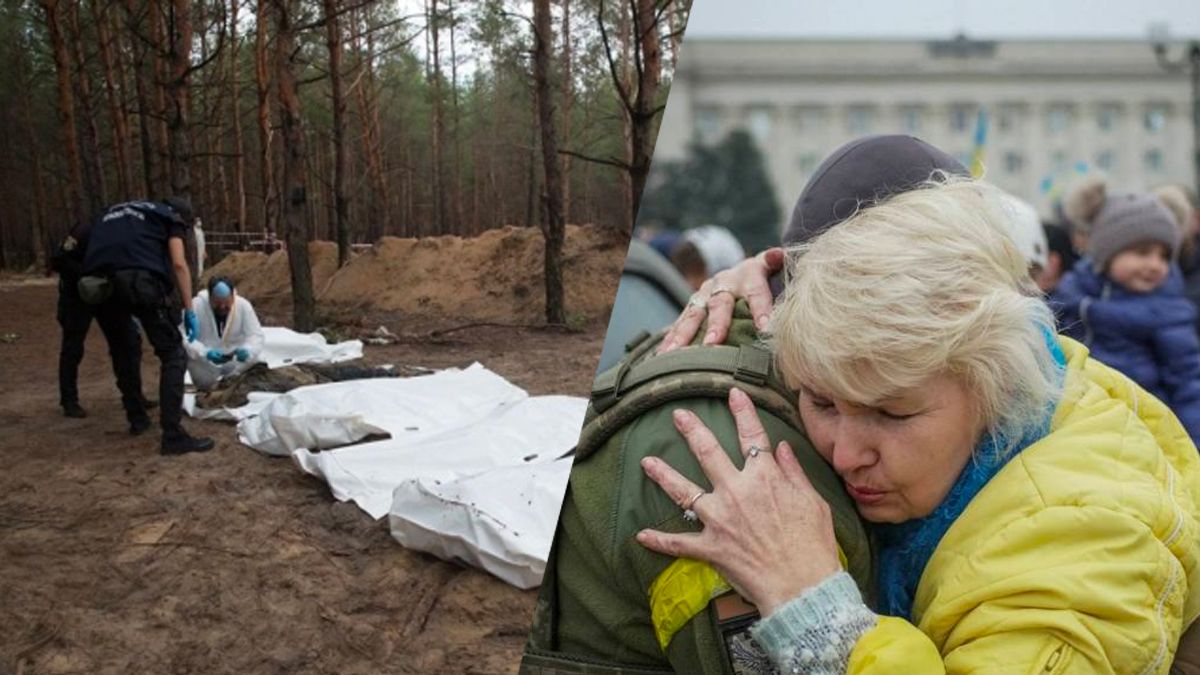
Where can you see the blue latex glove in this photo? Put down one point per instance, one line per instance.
(191, 325)
(241, 353)
(216, 356)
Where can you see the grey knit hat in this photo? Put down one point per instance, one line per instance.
(1129, 219)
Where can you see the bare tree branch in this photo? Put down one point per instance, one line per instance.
(607, 161)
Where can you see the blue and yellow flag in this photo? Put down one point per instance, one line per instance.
(981, 129)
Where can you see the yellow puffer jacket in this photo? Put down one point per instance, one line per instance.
(1080, 556)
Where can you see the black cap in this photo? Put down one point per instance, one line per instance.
(181, 206)
(861, 172)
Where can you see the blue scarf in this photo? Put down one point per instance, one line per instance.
(907, 546)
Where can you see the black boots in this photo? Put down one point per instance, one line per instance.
(73, 409)
(139, 425)
(178, 442)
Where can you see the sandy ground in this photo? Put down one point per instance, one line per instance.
(116, 560)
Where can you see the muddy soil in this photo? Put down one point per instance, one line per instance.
(116, 560)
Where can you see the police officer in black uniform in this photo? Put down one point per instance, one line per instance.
(75, 317)
(138, 247)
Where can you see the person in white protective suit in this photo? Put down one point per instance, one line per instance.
(230, 338)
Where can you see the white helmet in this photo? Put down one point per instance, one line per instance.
(1026, 229)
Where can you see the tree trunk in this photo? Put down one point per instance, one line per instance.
(295, 199)
(552, 223)
(333, 40)
(126, 107)
(368, 110)
(93, 162)
(235, 114)
(568, 94)
(628, 14)
(38, 224)
(459, 218)
(141, 70)
(531, 162)
(649, 77)
(120, 128)
(438, 126)
(179, 50)
(263, 89)
(66, 109)
(676, 32)
(160, 70)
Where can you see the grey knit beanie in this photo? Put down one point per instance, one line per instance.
(1129, 219)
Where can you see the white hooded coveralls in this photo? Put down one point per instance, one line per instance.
(242, 329)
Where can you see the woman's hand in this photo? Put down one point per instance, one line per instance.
(716, 297)
(766, 529)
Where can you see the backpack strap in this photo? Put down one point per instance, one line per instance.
(750, 364)
(623, 393)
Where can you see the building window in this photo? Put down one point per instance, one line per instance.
(1155, 119)
(910, 119)
(960, 118)
(1008, 118)
(1058, 119)
(1107, 116)
(708, 124)
(758, 122)
(1106, 160)
(1014, 162)
(1154, 160)
(859, 119)
(811, 119)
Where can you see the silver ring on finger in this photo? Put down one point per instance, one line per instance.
(753, 451)
(689, 514)
(698, 302)
(719, 290)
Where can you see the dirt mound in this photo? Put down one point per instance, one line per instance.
(496, 276)
(260, 276)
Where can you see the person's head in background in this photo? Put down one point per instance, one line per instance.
(860, 173)
(703, 251)
(1181, 201)
(1132, 240)
(220, 295)
(664, 242)
(1079, 204)
(1060, 257)
(1026, 229)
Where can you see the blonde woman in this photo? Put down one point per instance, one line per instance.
(1036, 510)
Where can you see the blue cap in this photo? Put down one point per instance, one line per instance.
(222, 290)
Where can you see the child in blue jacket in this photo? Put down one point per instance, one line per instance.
(1125, 301)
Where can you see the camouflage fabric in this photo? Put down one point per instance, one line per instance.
(594, 610)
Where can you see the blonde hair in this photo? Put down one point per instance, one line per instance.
(925, 283)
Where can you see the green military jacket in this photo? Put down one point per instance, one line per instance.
(609, 605)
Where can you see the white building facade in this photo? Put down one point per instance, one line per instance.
(1053, 108)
